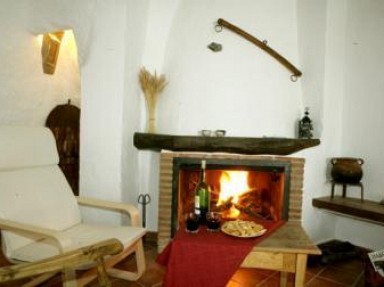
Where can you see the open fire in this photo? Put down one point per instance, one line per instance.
(248, 195)
(237, 192)
(232, 185)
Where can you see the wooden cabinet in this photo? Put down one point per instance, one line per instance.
(64, 121)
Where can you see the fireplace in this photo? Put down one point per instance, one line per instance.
(273, 192)
(239, 189)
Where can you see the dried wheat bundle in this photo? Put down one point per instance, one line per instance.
(152, 86)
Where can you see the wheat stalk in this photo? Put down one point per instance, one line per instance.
(152, 86)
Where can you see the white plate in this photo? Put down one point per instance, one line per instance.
(243, 229)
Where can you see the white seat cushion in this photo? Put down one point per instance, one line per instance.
(38, 196)
(81, 235)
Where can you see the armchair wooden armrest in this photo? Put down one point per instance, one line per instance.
(28, 230)
(66, 263)
(126, 208)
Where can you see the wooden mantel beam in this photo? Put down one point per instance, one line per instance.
(241, 145)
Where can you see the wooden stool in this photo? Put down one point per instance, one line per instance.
(344, 193)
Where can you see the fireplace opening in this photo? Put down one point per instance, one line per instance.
(239, 189)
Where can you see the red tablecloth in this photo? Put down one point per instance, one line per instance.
(206, 259)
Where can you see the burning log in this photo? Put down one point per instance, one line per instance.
(250, 210)
(250, 197)
(250, 205)
(225, 205)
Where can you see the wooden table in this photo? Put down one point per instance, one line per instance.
(286, 250)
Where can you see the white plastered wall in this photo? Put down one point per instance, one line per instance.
(362, 117)
(241, 89)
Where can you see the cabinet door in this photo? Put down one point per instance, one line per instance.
(64, 121)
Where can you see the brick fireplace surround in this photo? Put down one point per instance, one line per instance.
(166, 177)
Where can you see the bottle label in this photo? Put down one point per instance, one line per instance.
(197, 204)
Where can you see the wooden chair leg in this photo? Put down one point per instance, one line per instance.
(102, 274)
(140, 258)
(140, 263)
(69, 278)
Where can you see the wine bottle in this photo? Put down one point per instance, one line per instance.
(202, 194)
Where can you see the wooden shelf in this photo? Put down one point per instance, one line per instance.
(242, 145)
(365, 210)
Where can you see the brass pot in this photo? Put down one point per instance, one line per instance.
(347, 169)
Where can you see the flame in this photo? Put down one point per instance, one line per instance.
(233, 212)
(232, 185)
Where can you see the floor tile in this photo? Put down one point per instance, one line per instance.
(339, 275)
(247, 277)
(321, 282)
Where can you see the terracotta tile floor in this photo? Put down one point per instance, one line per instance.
(346, 273)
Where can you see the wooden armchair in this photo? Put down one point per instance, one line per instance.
(40, 217)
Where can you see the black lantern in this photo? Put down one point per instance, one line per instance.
(305, 126)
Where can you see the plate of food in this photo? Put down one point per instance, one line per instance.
(243, 228)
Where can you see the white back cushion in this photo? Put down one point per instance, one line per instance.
(22, 146)
(33, 189)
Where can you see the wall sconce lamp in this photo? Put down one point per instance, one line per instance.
(50, 50)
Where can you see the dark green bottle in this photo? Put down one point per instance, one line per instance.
(202, 195)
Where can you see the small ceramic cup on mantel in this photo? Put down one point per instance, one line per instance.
(216, 133)
(206, 133)
(220, 133)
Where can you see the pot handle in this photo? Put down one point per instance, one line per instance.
(359, 161)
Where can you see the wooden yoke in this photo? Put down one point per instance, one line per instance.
(262, 45)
